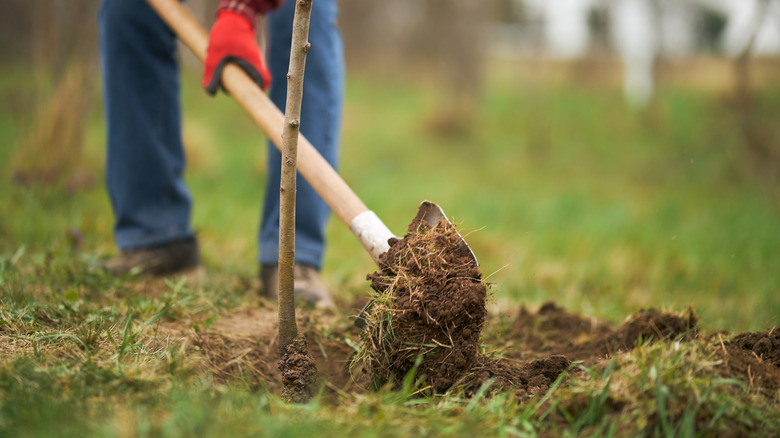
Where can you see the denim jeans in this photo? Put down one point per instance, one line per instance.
(145, 156)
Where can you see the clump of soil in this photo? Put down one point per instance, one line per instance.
(430, 305)
(554, 330)
(298, 371)
(753, 355)
(428, 319)
(524, 378)
(765, 345)
(652, 325)
(551, 330)
(759, 374)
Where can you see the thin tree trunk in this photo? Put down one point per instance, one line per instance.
(288, 329)
(758, 141)
(63, 64)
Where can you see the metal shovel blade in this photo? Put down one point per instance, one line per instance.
(432, 214)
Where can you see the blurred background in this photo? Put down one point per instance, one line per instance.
(605, 154)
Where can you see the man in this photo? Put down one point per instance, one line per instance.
(145, 158)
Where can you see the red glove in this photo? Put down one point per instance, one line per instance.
(232, 39)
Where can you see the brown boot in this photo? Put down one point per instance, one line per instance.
(308, 285)
(157, 260)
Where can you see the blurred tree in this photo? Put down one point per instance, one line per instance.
(760, 135)
(55, 40)
(15, 30)
(454, 36)
(441, 40)
(711, 26)
(600, 27)
(509, 11)
(636, 36)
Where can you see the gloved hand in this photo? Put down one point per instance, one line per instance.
(232, 39)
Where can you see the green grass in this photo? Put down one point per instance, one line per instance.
(563, 194)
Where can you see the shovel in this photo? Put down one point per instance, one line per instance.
(372, 233)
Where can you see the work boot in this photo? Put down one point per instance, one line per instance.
(308, 285)
(157, 260)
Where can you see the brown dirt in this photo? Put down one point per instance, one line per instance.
(298, 371)
(753, 356)
(430, 309)
(650, 325)
(554, 330)
(242, 346)
(525, 379)
(430, 313)
(428, 316)
(537, 346)
(764, 345)
(759, 374)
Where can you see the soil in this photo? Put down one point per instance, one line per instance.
(536, 347)
(553, 330)
(429, 312)
(428, 315)
(764, 345)
(298, 371)
(242, 346)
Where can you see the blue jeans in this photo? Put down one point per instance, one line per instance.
(145, 158)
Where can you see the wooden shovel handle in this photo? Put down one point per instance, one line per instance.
(317, 171)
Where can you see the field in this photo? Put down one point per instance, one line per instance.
(583, 214)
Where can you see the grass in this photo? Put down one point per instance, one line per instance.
(562, 193)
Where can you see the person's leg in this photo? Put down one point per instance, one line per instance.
(323, 92)
(145, 156)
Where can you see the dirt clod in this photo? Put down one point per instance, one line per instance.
(652, 324)
(429, 314)
(430, 305)
(553, 330)
(765, 345)
(298, 372)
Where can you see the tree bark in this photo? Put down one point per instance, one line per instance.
(288, 329)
